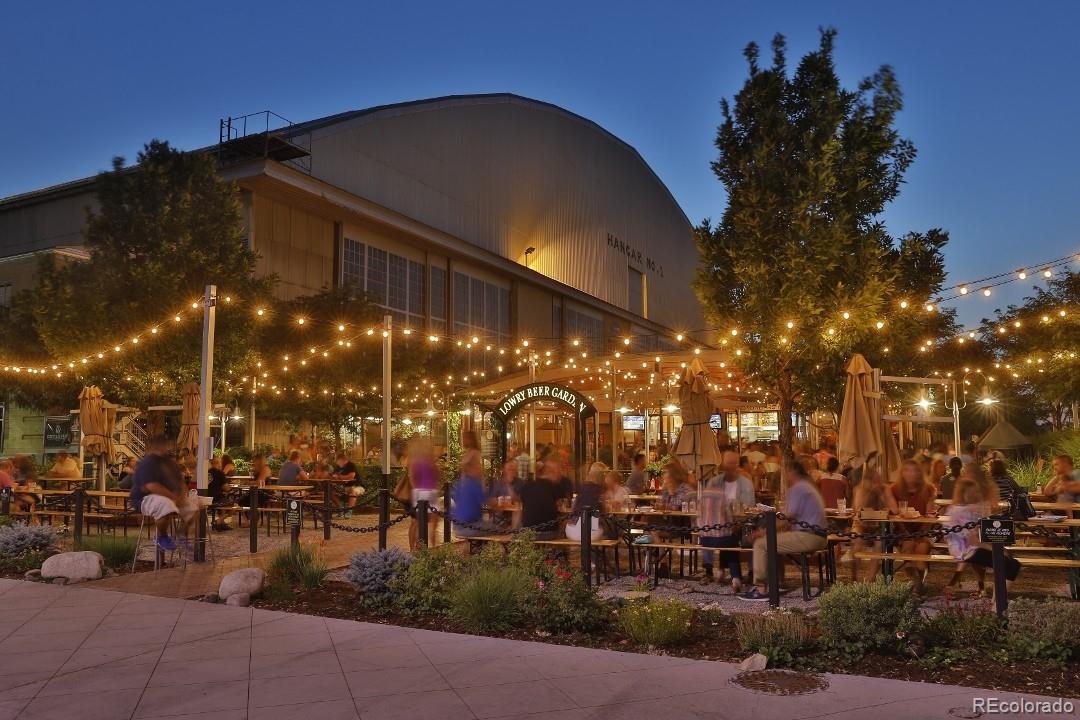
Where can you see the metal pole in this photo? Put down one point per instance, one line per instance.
(772, 572)
(327, 499)
(532, 418)
(585, 523)
(387, 385)
(202, 458)
(422, 521)
(254, 387)
(253, 519)
(1001, 589)
(956, 418)
(78, 519)
(446, 513)
(614, 420)
(5, 501)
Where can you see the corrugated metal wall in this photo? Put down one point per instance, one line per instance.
(506, 173)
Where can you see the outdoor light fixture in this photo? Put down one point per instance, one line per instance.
(671, 408)
(406, 421)
(528, 251)
(924, 403)
(987, 401)
(622, 410)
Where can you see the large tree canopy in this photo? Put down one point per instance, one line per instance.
(800, 272)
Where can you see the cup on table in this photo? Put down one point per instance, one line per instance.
(903, 507)
(841, 505)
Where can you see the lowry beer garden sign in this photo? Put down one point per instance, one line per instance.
(510, 405)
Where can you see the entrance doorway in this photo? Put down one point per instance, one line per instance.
(560, 416)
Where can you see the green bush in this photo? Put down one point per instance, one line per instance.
(115, 549)
(18, 564)
(656, 622)
(1028, 474)
(429, 583)
(856, 617)
(18, 539)
(957, 633)
(564, 603)
(522, 553)
(1059, 442)
(371, 573)
(1044, 629)
(302, 567)
(779, 635)
(491, 599)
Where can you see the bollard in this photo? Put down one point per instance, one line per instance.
(1001, 589)
(384, 510)
(5, 501)
(294, 537)
(79, 496)
(585, 523)
(446, 514)
(421, 519)
(772, 573)
(253, 519)
(327, 494)
(201, 531)
(887, 548)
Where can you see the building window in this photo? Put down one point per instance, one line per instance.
(481, 308)
(376, 276)
(636, 292)
(438, 299)
(586, 328)
(352, 264)
(5, 295)
(556, 318)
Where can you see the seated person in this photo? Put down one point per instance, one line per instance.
(616, 495)
(832, 484)
(24, 501)
(1065, 486)
(158, 493)
(676, 489)
(217, 487)
(345, 470)
(538, 501)
(127, 474)
(589, 496)
(291, 472)
(64, 467)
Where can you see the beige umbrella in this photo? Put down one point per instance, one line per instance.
(696, 446)
(110, 431)
(95, 441)
(189, 418)
(861, 428)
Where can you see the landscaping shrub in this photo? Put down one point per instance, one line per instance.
(777, 634)
(656, 622)
(856, 617)
(18, 539)
(115, 549)
(956, 633)
(564, 603)
(301, 567)
(491, 599)
(372, 572)
(19, 564)
(1044, 629)
(525, 555)
(7, 520)
(426, 586)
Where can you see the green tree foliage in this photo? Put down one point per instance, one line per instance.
(808, 167)
(161, 231)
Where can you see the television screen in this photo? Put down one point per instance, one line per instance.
(714, 422)
(633, 422)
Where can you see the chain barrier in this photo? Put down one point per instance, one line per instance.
(502, 528)
(318, 510)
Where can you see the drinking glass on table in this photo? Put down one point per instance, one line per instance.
(903, 507)
(841, 505)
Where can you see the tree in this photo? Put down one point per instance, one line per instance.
(162, 231)
(800, 270)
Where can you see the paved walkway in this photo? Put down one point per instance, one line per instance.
(78, 652)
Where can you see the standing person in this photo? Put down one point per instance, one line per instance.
(912, 492)
(1065, 485)
(538, 501)
(638, 480)
(467, 504)
(524, 463)
(947, 482)
(804, 504)
(968, 505)
(424, 478)
(345, 471)
(832, 484)
(470, 451)
(291, 471)
(157, 492)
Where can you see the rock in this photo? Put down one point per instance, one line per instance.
(59, 581)
(83, 565)
(32, 574)
(211, 598)
(757, 661)
(238, 600)
(634, 595)
(248, 581)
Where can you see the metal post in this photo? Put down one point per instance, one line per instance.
(387, 386)
(446, 513)
(421, 519)
(327, 495)
(532, 418)
(80, 499)
(5, 501)
(253, 518)
(1001, 589)
(772, 573)
(254, 388)
(294, 537)
(614, 420)
(202, 457)
(956, 419)
(585, 523)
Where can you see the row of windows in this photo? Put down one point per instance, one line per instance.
(392, 281)
(481, 308)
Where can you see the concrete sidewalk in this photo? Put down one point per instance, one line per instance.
(79, 652)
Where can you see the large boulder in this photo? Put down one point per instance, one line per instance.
(82, 565)
(248, 581)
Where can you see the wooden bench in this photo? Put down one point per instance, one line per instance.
(600, 547)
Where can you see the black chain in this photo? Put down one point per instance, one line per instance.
(500, 527)
(319, 509)
(1047, 534)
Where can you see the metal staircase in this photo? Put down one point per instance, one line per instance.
(130, 435)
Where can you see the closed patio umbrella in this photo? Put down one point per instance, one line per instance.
(92, 420)
(861, 429)
(110, 431)
(696, 446)
(189, 418)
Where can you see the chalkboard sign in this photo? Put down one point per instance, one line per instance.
(992, 530)
(293, 512)
(58, 431)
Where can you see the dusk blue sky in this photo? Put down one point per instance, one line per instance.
(990, 87)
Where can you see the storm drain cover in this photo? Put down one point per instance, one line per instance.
(780, 682)
(963, 712)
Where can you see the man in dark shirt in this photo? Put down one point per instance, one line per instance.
(157, 492)
(538, 500)
(638, 481)
(345, 470)
(292, 473)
